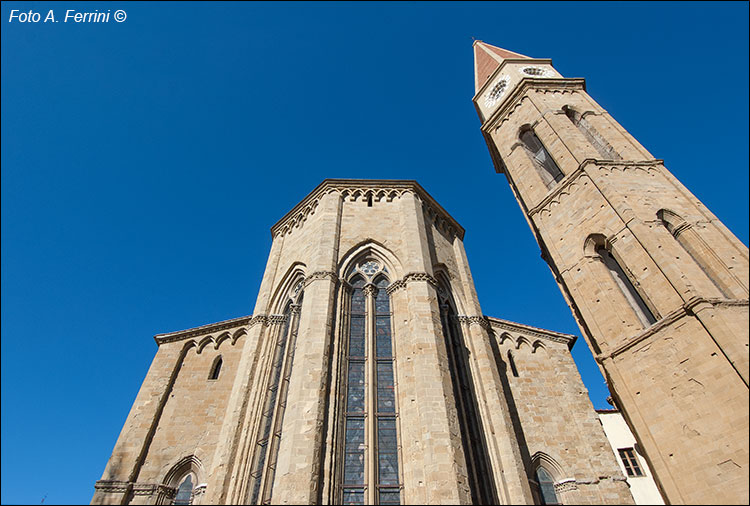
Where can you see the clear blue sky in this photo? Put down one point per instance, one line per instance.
(144, 162)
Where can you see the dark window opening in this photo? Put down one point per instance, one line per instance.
(216, 369)
(512, 364)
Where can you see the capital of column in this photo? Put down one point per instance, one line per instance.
(370, 290)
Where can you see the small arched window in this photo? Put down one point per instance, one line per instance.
(184, 491)
(512, 364)
(546, 486)
(546, 166)
(215, 369)
(604, 148)
(626, 287)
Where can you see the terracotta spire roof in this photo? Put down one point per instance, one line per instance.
(486, 59)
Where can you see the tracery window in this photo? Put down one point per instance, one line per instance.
(546, 166)
(371, 448)
(272, 417)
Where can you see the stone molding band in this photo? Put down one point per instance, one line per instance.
(410, 277)
(569, 179)
(689, 308)
(473, 320)
(203, 329)
(267, 320)
(142, 489)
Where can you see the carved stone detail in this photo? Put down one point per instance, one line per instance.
(317, 275)
(370, 290)
(474, 320)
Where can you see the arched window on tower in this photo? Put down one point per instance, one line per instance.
(604, 148)
(370, 447)
(546, 166)
(697, 249)
(626, 287)
(215, 369)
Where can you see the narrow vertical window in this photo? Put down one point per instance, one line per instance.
(472, 440)
(387, 443)
(512, 364)
(215, 369)
(626, 287)
(546, 486)
(605, 150)
(354, 419)
(370, 429)
(630, 461)
(546, 166)
(267, 446)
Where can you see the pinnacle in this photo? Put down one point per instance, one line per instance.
(486, 59)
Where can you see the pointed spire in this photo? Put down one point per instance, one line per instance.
(486, 59)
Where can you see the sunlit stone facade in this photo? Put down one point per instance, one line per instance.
(366, 374)
(657, 284)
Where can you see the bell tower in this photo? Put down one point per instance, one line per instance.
(657, 284)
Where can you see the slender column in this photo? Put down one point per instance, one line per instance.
(370, 291)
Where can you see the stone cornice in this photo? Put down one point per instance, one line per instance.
(387, 189)
(565, 183)
(519, 92)
(527, 330)
(203, 329)
(688, 308)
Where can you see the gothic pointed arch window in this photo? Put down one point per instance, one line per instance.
(604, 148)
(274, 405)
(543, 161)
(371, 449)
(472, 439)
(182, 483)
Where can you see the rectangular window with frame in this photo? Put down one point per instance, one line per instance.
(630, 461)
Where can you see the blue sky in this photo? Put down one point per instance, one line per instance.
(144, 162)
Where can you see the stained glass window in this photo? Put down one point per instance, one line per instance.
(547, 486)
(274, 406)
(184, 491)
(379, 450)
